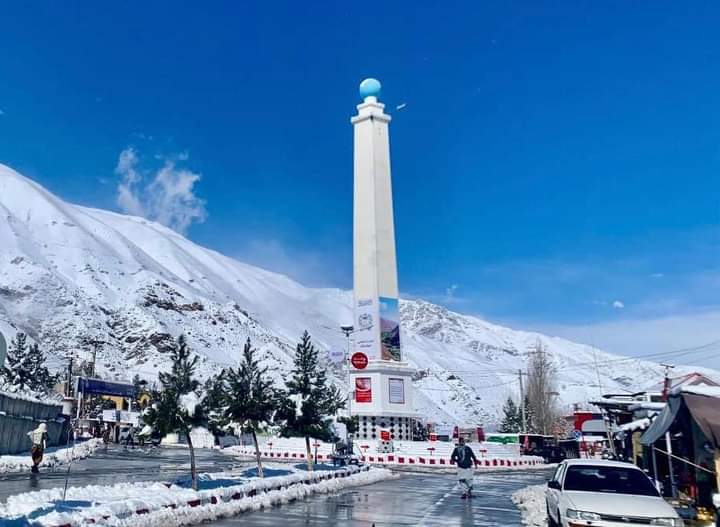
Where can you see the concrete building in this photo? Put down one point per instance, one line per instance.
(382, 390)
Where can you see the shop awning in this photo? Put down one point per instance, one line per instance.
(705, 410)
(703, 404)
(662, 422)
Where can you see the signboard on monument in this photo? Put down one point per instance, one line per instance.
(366, 332)
(363, 390)
(390, 328)
(359, 360)
(396, 390)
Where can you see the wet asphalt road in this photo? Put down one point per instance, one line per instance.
(119, 465)
(414, 499)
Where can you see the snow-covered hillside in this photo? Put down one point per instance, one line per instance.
(70, 275)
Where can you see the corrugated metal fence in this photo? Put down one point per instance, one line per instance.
(19, 416)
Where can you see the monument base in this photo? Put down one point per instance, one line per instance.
(382, 398)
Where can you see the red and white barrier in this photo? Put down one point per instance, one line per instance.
(402, 459)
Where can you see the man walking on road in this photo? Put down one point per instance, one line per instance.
(465, 459)
(39, 438)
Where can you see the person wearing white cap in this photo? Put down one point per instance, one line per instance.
(39, 438)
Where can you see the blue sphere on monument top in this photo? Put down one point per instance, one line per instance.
(370, 88)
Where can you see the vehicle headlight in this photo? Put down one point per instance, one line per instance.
(582, 515)
(668, 522)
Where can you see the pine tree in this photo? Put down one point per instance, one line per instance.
(310, 400)
(215, 403)
(511, 419)
(42, 381)
(251, 398)
(177, 410)
(19, 367)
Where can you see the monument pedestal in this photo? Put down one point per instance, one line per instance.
(383, 400)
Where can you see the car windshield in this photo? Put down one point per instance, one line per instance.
(615, 480)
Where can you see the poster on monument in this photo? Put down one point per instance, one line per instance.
(363, 390)
(396, 390)
(366, 332)
(390, 328)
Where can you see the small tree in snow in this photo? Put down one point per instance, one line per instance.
(178, 409)
(25, 369)
(215, 402)
(18, 368)
(251, 398)
(310, 400)
(511, 418)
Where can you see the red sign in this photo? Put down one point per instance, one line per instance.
(359, 360)
(363, 390)
(384, 435)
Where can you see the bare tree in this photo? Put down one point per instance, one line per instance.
(541, 389)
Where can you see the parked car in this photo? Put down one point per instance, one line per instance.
(601, 493)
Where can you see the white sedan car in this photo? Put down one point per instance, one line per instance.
(590, 492)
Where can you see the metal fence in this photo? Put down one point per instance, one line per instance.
(20, 416)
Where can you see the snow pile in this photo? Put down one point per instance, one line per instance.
(52, 399)
(702, 389)
(531, 502)
(190, 401)
(155, 504)
(202, 437)
(53, 457)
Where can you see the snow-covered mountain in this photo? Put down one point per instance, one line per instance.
(71, 275)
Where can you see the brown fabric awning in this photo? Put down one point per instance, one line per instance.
(705, 410)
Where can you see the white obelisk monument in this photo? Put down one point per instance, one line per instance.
(382, 390)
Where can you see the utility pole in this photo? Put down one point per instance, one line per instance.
(666, 382)
(68, 388)
(522, 402)
(668, 443)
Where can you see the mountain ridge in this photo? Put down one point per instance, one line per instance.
(70, 275)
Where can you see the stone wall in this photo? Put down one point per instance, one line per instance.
(18, 416)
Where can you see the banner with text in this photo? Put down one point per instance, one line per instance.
(363, 390)
(366, 328)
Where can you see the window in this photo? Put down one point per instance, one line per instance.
(609, 479)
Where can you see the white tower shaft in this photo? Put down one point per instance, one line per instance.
(382, 391)
(374, 259)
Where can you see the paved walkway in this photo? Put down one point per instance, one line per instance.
(414, 499)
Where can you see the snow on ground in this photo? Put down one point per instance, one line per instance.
(156, 503)
(531, 502)
(52, 458)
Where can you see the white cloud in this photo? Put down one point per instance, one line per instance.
(617, 304)
(450, 291)
(648, 336)
(166, 196)
(310, 268)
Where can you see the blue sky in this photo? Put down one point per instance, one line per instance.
(556, 166)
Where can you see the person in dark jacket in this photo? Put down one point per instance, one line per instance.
(465, 459)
